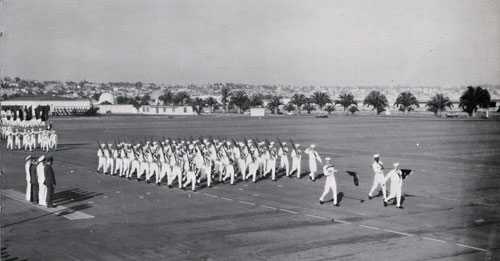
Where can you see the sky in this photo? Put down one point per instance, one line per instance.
(295, 42)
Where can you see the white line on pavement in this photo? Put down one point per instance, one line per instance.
(477, 248)
(226, 198)
(433, 239)
(210, 195)
(397, 232)
(362, 214)
(248, 203)
(58, 210)
(376, 228)
(342, 221)
(264, 206)
(314, 216)
(289, 211)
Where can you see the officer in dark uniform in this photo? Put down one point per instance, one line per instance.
(50, 181)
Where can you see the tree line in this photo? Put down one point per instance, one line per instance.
(470, 101)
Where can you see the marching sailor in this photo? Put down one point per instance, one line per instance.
(396, 178)
(330, 183)
(296, 158)
(284, 164)
(313, 156)
(102, 159)
(378, 179)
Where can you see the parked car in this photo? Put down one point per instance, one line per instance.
(321, 115)
(451, 115)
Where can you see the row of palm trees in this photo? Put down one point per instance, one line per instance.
(471, 99)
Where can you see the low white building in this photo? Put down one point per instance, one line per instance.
(166, 110)
(117, 109)
(145, 109)
(53, 102)
(257, 112)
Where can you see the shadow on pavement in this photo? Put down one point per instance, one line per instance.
(73, 195)
(4, 255)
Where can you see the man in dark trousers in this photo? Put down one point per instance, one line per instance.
(50, 181)
(34, 181)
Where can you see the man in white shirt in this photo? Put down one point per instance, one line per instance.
(330, 183)
(378, 179)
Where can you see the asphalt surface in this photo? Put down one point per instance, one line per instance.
(451, 202)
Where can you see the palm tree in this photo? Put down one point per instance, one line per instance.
(225, 94)
(298, 99)
(377, 100)
(197, 104)
(289, 107)
(472, 98)
(145, 99)
(321, 99)
(256, 100)
(329, 108)
(353, 109)
(438, 103)
(406, 101)
(274, 103)
(346, 100)
(308, 106)
(167, 97)
(212, 102)
(239, 99)
(181, 98)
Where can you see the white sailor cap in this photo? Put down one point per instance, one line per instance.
(29, 157)
(249, 141)
(313, 146)
(102, 144)
(376, 155)
(284, 143)
(395, 164)
(296, 145)
(110, 144)
(272, 142)
(327, 159)
(41, 158)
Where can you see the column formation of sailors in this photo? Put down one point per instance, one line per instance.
(33, 123)
(29, 139)
(188, 163)
(191, 162)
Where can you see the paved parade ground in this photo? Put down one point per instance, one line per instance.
(451, 203)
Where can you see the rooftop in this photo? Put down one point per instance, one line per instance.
(44, 98)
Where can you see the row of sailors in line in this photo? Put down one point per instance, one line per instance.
(33, 123)
(30, 139)
(191, 162)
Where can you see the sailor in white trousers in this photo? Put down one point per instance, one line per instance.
(396, 178)
(330, 183)
(378, 179)
(40, 173)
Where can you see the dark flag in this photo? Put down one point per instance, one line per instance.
(354, 177)
(406, 172)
